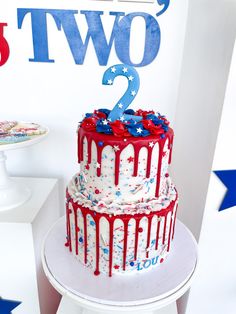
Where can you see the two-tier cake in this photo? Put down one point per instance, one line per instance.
(121, 206)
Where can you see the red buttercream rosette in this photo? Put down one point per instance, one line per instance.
(143, 113)
(119, 129)
(99, 114)
(89, 124)
(152, 128)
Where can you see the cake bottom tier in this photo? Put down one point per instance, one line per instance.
(119, 244)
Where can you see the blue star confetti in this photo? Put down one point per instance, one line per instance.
(6, 306)
(228, 178)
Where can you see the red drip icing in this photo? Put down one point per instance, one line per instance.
(76, 232)
(139, 142)
(125, 243)
(161, 148)
(148, 234)
(97, 220)
(80, 148)
(170, 230)
(136, 239)
(170, 147)
(164, 231)
(174, 222)
(111, 225)
(149, 159)
(157, 234)
(99, 159)
(85, 237)
(136, 157)
(68, 243)
(89, 150)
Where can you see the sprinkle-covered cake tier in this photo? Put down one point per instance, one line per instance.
(121, 206)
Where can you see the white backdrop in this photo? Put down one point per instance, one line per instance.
(57, 94)
(215, 282)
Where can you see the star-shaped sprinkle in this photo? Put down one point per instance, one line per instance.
(104, 122)
(131, 78)
(116, 148)
(124, 70)
(139, 130)
(130, 159)
(109, 82)
(120, 105)
(116, 266)
(87, 167)
(98, 165)
(113, 69)
(151, 144)
(133, 93)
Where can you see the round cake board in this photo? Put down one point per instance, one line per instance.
(155, 288)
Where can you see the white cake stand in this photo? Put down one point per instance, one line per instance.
(13, 194)
(137, 293)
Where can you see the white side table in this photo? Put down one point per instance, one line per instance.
(145, 293)
(22, 230)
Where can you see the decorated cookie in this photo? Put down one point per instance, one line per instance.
(11, 139)
(28, 129)
(6, 126)
(14, 132)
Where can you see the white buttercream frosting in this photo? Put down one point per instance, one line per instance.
(80, 196)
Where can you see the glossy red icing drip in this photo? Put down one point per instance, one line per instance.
(97, 220)
(174, 222)
(164, 230)
(76, 231)
(170, 230)
(148, 234)
(158, 231)
(136, 157)
(111, 226)
(170, 146)
(68, 231)
(117, 167)
(99, 159)
(125, 242)
(85, 238)
(136, 239)
(149, 159)
(161, 148)
(80, 148)
(89, 150)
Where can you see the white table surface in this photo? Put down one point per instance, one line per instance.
(153, 289)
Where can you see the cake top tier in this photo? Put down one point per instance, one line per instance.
(150, 123)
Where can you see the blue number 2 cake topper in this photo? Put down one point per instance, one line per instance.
(118, 112)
